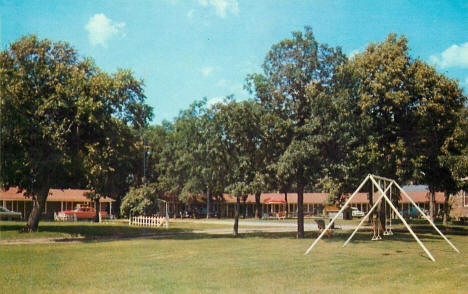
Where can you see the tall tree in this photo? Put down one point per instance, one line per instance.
(113, 153)
(171, 168)
(111, 163)
(405, 111)
(292, 67)
(454, 159)
(39, 107)
(50, 105)
(440, 101)
(377, 84)
(242, 137)
(192, 165)
(210, 164)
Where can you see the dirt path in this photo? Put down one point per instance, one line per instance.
(40, 241)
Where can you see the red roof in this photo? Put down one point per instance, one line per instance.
(278, 198)
(274, 201)
(321, 198)
(70, 195)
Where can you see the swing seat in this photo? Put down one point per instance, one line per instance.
(376, 238)
(388, 233)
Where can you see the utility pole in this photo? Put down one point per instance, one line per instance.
(208, 202)
(144, 160)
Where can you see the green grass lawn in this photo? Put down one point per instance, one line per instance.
(88, 230)
(187, 262)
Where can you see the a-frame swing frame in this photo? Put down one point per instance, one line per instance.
(387, 184)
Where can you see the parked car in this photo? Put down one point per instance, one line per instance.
(411, 213)
(81, 212)
(9, 215)
(356, 212)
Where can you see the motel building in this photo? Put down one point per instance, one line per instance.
(271, 203)
(314, 203)
(58, 200)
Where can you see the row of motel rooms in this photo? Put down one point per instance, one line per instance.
(272, 203)
(58, 200)
(314, 203)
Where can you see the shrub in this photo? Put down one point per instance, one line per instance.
(140, 201)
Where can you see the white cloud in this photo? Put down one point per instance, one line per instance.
(222, 7)
(454, 56)
(206, 71)
(100, 29)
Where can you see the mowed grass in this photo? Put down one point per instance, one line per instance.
(88, 230)
(187, 262)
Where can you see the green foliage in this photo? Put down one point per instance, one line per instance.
(140, 201)
(241, 135)
(296, 88)
(377, 83)
(404, 112)
(39, 95)
(64, 122)
(317, 121)
(454, 157)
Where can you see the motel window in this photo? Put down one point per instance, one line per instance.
(465, 198)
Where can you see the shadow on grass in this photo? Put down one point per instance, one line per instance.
(340, 237)
(90, 232)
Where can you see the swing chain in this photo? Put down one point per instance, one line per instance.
(376, 221)
(388, 224)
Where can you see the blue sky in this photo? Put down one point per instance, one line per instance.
(189, 49)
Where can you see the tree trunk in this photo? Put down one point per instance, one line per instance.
(300, 210)
(446, 208)
(432, 204)
(116, 207)
(208, 198)
(258, 205)
(219, 205)
(236, 218)
(244, 211)
(36, 212)
(287, 206)
(97, 207)
(382, 213)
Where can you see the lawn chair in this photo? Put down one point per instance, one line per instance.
(281, 215)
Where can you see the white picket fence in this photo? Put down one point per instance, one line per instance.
(65, 218)
(148, 221)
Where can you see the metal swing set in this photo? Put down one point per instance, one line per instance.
(383, 185)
